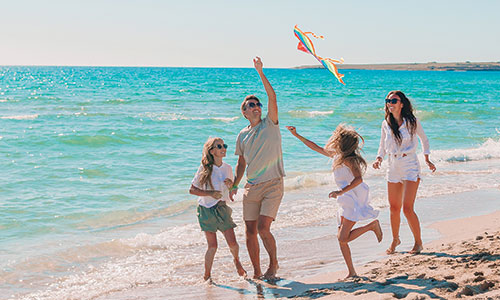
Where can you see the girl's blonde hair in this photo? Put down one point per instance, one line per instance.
(344, 144)
(207, 162)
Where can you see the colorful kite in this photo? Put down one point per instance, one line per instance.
(306, 45)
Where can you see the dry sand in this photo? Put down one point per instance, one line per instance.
(464, 264)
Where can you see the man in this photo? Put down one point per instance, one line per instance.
(259, 148)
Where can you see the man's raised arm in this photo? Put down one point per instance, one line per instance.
(272, 105)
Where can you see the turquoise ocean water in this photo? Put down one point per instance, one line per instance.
(96, 162)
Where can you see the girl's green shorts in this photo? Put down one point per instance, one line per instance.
(217, 217)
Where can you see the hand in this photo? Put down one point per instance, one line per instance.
(377, 163)
(292, 129)
(335, 194)
(257, 63)
(232, 193)
(216, 194)
(228, 182)
(431, 166)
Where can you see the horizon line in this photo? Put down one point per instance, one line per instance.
(240, 67)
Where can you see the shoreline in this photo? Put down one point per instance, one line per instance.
(430, 66)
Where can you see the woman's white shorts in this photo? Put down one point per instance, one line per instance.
(403, 167)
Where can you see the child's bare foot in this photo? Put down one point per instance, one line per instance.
(377, 229)
(239, 268)
(351, 275)
(393, 246)
(271, 272)
(417, 248)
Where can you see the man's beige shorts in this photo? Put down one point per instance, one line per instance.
(262, 199)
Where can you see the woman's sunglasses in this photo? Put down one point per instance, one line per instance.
(253, 104)
(219, 146)
(392, 101)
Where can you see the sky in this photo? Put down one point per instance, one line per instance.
(229, 33)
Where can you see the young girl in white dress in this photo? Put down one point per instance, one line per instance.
(353, 194)
(211, 183)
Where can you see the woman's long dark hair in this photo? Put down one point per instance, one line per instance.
(406, 114)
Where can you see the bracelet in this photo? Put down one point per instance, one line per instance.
(234, 187)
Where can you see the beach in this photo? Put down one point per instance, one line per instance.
(98, 162)
(464, 263)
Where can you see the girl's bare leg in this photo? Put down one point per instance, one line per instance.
(395, 194)
(210, 254)
(373, 226)
(234, 248)
(410, 194)
(343, 237)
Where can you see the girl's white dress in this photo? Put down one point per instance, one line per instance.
(354, 205)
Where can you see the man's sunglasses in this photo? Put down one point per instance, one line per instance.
(392, 101)
(253, 104)
(219, 146)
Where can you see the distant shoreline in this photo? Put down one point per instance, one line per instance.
(431, 66)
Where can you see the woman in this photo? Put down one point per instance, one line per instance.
(399, 141)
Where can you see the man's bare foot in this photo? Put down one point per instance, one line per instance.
(377, 229)
(257, 275)
(207, 277)
(271, 272)
(417, 248)
(239, 268)
(393, 246)
(351, 275)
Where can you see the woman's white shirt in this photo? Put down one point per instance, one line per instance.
(219, 174)
(408, 144)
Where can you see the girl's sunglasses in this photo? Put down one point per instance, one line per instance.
(253, 104)
(392, 101)
(219, 146)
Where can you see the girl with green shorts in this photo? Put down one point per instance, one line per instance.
(211, 183)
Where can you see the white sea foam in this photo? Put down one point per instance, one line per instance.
(488, 150)
(309, 114)
(20, 117)
(180, 116)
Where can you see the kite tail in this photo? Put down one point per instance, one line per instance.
(316, 36)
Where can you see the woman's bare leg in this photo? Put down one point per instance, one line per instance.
(395, 195)
(410, 194)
